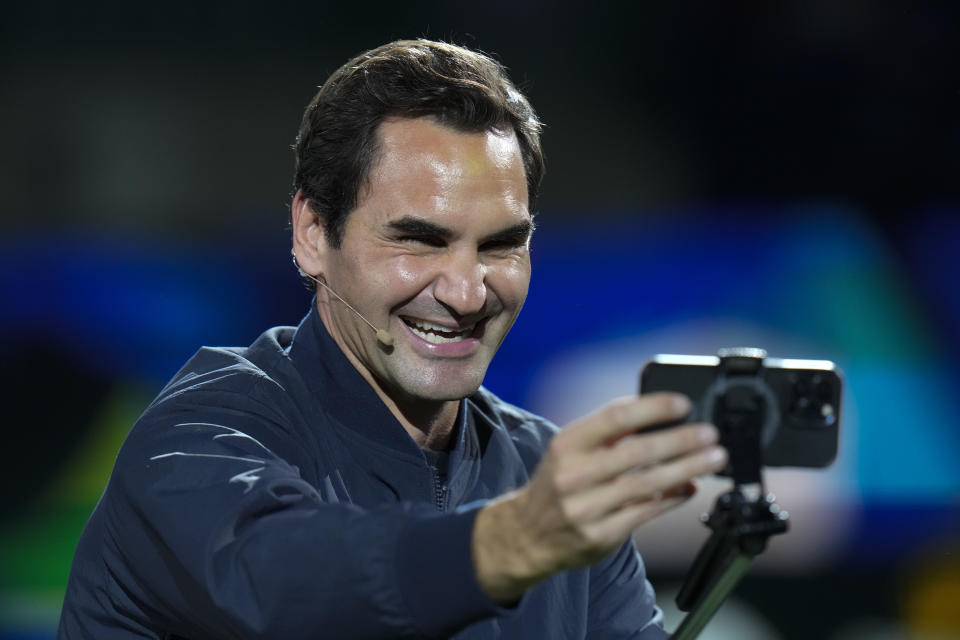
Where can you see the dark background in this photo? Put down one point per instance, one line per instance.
(692, 150)
(178, 119)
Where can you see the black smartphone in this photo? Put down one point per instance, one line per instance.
(794, 403)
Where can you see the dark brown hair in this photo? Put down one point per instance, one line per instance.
(462, 89)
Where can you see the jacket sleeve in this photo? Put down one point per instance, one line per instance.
(622, 601)
(214, 536)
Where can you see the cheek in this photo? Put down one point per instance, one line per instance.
(408, 271)
(511, 282)
(405, 277)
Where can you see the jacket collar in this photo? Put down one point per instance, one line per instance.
(347, 397)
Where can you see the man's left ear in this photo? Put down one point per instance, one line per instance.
(309, 238)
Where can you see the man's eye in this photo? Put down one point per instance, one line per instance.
(502, 245)
(430, 241)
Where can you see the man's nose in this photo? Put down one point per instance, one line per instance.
(461, 284)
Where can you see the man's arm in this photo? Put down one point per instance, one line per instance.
(597, 482)
(212, 534)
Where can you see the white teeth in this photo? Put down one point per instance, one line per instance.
(435, 333)
(429, 326)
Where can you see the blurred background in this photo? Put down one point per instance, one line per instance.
(772, 174)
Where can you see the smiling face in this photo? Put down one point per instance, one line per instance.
(436, 252)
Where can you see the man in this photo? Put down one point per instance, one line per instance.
(350, 478)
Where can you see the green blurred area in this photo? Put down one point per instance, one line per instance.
(37, 543)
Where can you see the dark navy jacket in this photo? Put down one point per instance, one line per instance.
(268, 493)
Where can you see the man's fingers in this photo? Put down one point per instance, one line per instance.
(635, 452)
(621, 523)
(624, 416)
(654, 483)
(642, 450)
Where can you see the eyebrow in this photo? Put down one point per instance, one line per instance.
(517, 233)
(419, 227)
(513, 235)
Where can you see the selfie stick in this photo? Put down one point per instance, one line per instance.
(741, 527)
(742, 520)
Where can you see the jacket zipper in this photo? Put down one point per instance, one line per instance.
(439, 490)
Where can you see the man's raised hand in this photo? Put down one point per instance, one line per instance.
(600, 478)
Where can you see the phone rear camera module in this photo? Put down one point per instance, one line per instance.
(811, 401)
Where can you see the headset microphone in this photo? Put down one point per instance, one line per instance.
(383, 336)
